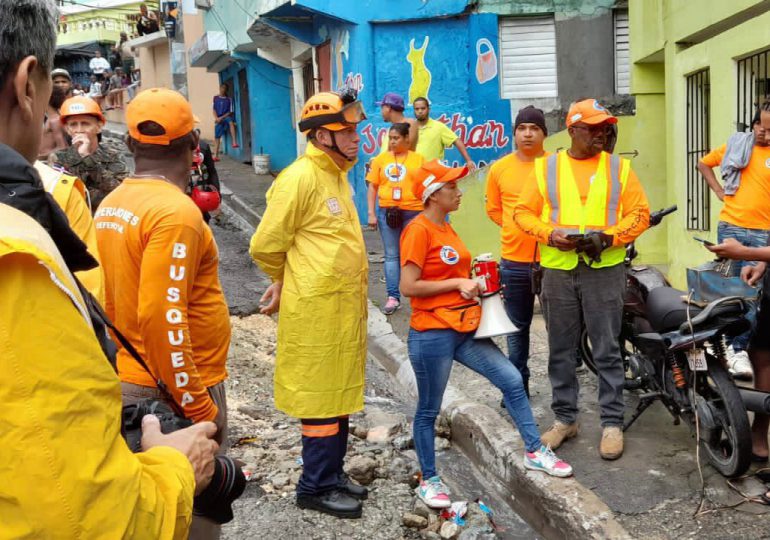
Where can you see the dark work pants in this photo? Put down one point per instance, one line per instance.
(324, 445)
(596, 294)
(516, 277)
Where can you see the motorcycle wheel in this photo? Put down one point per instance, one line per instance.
(728, 449)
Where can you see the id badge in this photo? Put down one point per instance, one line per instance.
(334, 206)
(396, 193)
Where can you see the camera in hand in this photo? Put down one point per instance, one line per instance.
(228, 482)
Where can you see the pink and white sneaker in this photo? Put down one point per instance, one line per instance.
(434, 493)
(545, 460)
(391, 306)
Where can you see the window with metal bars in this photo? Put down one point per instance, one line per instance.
(698, 120)
(753, 86)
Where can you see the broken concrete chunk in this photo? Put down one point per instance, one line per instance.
(361, 469)
(413, 521)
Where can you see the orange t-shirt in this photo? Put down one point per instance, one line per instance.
(163, 293)
(749, 206)
(440, 254)
(393, 177)
(505, 180)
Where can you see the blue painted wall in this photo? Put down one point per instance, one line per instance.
(370, 49)
(270, 95)
(377, 60)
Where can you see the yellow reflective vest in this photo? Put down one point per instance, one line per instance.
(564, 209)
(310, 239)
(71, 195)
(65, 471)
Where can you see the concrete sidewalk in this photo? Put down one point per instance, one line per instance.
(651, 492)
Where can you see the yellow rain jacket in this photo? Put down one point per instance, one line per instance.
(311, 240)
(65, 470)
(71, 195)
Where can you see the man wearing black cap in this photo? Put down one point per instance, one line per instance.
(519, 250)
(392, 110)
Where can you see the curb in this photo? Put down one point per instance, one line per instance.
(238, 208)
(555, 508)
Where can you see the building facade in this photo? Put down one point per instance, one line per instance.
(477, 63)
(699, 70)
(97, 20)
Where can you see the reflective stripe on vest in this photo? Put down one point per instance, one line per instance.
(565, 209)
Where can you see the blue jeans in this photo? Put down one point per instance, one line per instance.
(432, 354)
(391, 241)
(750, 238)
(516, 279)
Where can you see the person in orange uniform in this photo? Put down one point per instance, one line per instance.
(745, 215)
(445, 315)
(583, 205)
(505, 181)
(389, 180)
(161, 271)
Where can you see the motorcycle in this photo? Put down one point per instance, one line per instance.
(674, 352)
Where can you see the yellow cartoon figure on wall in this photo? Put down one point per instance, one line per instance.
(421, 76)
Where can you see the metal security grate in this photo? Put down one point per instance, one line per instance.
(307, 80)
(698, 114)
(753, 86)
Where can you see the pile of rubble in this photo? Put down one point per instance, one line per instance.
(380, 456)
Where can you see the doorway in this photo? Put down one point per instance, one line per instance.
(324, 59)
(243, 99)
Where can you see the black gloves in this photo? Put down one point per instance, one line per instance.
(593, 244)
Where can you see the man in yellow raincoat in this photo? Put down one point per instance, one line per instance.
(65, 471)
(310, 243)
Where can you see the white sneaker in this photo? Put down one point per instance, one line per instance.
(739, 365)
(434, 493)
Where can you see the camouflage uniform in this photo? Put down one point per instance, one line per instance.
(101, 171)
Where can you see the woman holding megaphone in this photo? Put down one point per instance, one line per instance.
(436, 268)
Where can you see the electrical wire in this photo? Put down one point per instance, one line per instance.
(150, 4)
(248, 64)
(237, 3)
(699, 511)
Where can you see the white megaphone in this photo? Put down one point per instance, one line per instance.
(494, 319)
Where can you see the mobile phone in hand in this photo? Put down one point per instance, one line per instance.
(702, 241)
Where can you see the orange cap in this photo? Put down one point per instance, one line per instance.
(589, 111)
(165, 107)
(77, 105)
(432, 176)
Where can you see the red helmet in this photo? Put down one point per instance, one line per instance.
(206, 198)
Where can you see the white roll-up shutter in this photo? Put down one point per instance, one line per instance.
(622, 53)
(528, 57)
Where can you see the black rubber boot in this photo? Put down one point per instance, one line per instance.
(346, 485)
(336, 503)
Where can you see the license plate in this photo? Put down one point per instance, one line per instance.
(697, 359)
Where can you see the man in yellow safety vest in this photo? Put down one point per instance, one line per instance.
(583, 205)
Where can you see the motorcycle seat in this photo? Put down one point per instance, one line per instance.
(667, 310)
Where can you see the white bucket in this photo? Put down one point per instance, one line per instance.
(261, 163)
